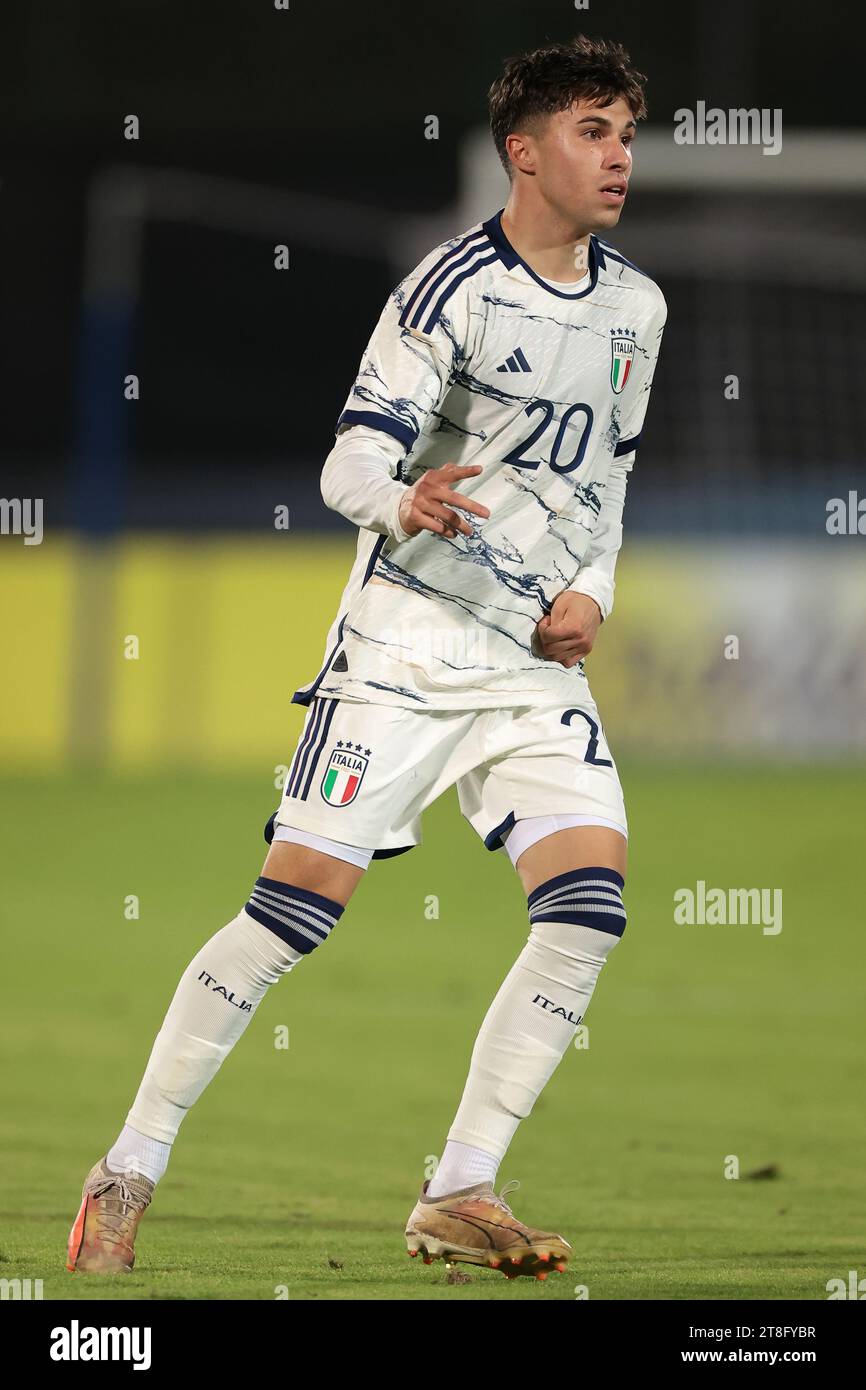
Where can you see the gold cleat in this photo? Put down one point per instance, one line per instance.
(476, 1226)
(102, 1238)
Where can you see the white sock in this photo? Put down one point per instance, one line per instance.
(212, 1005)
(138, 1153)
(528, 1029)
(460, 1166)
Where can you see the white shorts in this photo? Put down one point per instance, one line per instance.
(363, 774)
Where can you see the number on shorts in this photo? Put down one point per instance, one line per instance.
(592, 746)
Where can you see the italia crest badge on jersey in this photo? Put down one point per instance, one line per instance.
(345, 773)
(622, 346)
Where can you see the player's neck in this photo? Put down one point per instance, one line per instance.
(551, 246)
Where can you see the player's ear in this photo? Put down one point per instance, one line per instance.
(521, 153)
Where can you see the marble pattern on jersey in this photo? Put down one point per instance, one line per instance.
(546, 441)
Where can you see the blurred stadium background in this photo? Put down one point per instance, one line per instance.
(306, 128)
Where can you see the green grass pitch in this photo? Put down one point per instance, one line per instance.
(298, 1167)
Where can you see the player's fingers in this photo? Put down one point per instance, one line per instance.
(456, 499)
(456, 470)
(455, 523)
(561, 651)
(564, 632)
(422, 518)
(556, 651)
(436, 488)
(449, 521)
(561, 629)
(561, 620)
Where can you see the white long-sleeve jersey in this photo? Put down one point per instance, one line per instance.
(476, 359)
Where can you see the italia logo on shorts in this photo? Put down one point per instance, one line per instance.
(622, 346)
(344, 773)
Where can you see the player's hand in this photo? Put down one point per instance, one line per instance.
(568, 631)
(428, 504)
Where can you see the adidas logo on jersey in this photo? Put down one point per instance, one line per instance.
(515, 363)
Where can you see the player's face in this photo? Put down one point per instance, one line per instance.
(583, 160)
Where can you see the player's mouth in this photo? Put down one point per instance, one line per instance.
(615, 191)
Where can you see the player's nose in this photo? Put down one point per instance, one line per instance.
(618, 159)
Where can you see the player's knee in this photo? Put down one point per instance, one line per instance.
(301, 918)
(588, 899)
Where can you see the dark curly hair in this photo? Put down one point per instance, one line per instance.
(551, 79)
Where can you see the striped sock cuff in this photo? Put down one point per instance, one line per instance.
(299, 917)
(582, 897)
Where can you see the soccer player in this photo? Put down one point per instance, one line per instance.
(483, 453)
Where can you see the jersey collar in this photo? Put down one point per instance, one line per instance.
(510, 258)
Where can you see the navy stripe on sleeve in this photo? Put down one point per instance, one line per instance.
(626, 446)
(403, 433)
